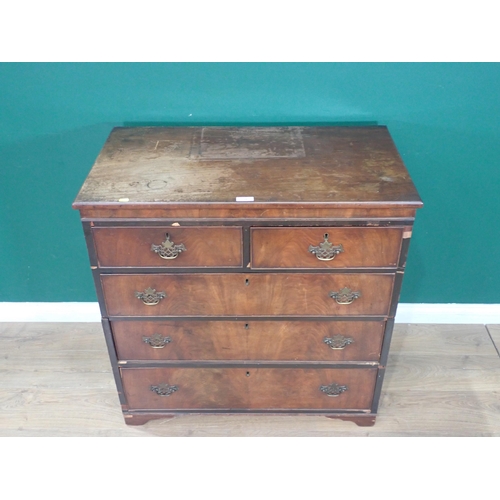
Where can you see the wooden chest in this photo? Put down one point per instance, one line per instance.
(248, 269)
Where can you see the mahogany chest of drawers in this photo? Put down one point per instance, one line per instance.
(248, 269)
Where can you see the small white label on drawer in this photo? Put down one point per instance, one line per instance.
(245, 198)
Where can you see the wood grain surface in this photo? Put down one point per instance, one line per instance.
(273, 248)
(204, 246)
(175, 165)
(441, 380)
(249, 388)
(244, 211)
(241, 340)
(494, 332)
(270, 294)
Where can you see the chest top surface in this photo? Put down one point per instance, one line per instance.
(336, 166)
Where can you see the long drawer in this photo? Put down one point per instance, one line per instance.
(249, 388)
(205, 295)
(240, 340)
(325, 247)
(168, 246)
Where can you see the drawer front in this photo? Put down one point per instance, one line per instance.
(306, 247)
(249, 388)
(253, 340)
(183, 247)
(204, 295)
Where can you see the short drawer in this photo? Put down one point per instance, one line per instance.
(249, 388)
(279, 294)
(252, 340)
(168, 246)
(325, 247)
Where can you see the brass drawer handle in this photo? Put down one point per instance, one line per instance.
(150, 296)
(338, 341)
(333, 390)
(164, 389)
(156, 341)
(326, 250)
(345, 296)
(168, 249)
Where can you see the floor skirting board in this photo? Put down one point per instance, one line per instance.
(449, 314)
(88, 312)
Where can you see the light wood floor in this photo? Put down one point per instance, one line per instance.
(441, 380)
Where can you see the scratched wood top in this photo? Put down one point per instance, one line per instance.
(336, 166)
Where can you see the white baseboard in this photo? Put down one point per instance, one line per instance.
(449, 314)
(50, 312)
(88, 312)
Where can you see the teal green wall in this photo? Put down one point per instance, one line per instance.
(444, 118)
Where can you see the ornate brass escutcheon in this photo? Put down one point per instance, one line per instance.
(156, 341)
(164, 389)
(338, 341)
(333, 390)
(150, 296)
(345, 296)
(168, 249)
(326, 250)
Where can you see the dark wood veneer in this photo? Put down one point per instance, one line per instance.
(247, 310)
(263, 388)
(205, 246)
(252, 340)
(247, 294)
(285, 247)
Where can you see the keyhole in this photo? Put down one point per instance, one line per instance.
(247, 326)
(326, 236)
(248, 374)
(247, 282)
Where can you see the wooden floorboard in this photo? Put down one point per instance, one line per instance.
(441, 380)
(494, 332)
